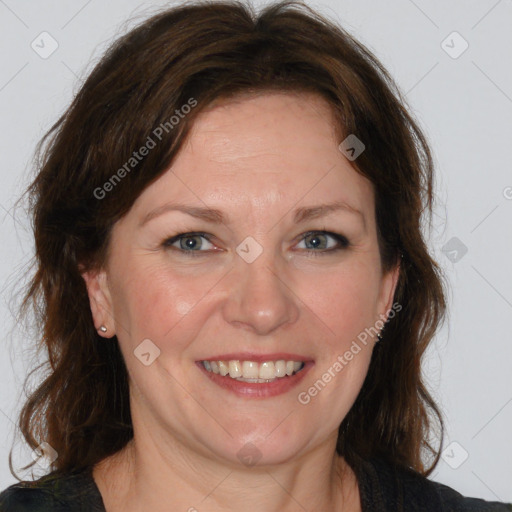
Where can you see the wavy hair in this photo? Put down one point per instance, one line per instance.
(209, 51)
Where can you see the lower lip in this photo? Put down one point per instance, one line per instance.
(254, 390)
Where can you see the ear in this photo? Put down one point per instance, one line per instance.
(387, 291)
(100, 301)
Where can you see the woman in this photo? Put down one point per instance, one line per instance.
(235, 290)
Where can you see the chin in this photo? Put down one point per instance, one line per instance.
(260, 450)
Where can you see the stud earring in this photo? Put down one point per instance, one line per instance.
(103, 328)
(379, 336)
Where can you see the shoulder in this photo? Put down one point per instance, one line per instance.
(71, 492)
(21, 498)
(399, 488)
(454, 501)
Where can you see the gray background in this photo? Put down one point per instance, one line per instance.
(464, 104)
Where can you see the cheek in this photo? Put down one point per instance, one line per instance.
(154, 303)
(345, 301)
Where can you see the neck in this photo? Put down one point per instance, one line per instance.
(143, 476)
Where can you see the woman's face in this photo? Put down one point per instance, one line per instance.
(266, 284)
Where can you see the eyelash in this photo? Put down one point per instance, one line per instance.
(343, 243)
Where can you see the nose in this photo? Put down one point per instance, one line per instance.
(260, 299)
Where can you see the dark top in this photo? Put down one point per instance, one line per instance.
(383, 488)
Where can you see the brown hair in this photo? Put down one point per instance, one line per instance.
(204, 52)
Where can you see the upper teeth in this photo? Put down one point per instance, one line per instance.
(251, 370)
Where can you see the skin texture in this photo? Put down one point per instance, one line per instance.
(256, 159)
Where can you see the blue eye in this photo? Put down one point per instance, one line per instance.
(319, 239)
(191, 244)
(188, 243)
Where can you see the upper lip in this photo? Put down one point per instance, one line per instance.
(257, 358)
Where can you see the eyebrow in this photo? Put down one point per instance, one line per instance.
(215, 216)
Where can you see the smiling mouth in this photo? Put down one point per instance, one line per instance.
(252, 371)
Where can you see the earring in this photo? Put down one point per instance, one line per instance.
(379, 336)
(103, 328)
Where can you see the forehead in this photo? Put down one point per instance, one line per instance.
(258, 124)
(263, 151)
